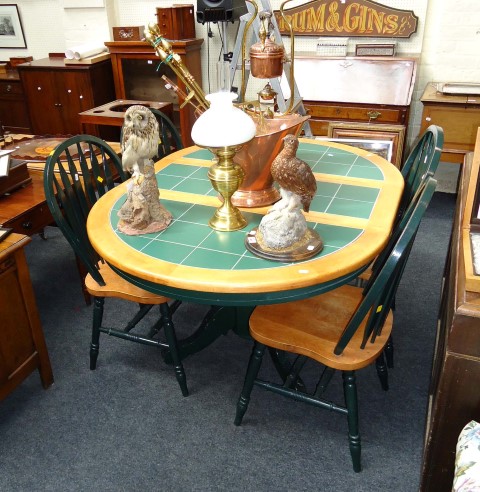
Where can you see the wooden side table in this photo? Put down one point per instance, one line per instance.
(458, 115)
(22, 343)
(113, 114)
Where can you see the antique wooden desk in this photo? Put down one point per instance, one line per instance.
(363, 90)
(353, 211)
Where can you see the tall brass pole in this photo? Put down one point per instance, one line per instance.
(292, 55)
(244, 42)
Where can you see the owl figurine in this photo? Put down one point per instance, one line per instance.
(140, 139)
(294, 176)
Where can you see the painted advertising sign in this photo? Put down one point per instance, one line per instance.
(348, 18)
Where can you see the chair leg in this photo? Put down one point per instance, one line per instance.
(389, 352)
(252, 371)
(350, 392)
(98, 304)
(173, 346)
(382, 371)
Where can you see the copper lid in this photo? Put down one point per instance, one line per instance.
(269, 49)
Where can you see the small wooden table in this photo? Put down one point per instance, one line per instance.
(353, 211)
(113, 113)
(22, 344)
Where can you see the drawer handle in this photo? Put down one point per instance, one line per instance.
(373, 115)
(9, 88)
(27, 225)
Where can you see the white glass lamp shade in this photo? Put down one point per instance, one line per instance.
(223, 125)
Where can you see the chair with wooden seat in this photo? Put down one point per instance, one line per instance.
(79, 172)
(423, 160)
(344, 329)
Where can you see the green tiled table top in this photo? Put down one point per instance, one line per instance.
(189, 241)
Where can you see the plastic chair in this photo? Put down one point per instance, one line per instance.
(79, 172)
(344, 329)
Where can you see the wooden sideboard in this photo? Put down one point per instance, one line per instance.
(355, 89)
(22, 343)
(137, 74)
(458, 115)
(454, 397)
(13, 105)
(57, 92)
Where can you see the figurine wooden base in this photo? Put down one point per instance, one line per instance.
(142, 212)
(303, 249)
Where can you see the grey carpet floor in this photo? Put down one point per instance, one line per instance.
(126, 427)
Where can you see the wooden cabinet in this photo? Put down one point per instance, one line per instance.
(22, 343)
(137, 73)
(458, 115)
(355, 89)
(57, 92)
(454, 396)
(13, 105)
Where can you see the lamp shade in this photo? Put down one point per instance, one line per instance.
(223, 125)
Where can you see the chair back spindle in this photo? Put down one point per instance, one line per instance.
(80, 171)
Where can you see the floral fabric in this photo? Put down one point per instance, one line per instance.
(467, 461)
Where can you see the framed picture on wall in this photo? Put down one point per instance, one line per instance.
(369, 131)
(11, 31)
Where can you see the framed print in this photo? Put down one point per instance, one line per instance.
(369, 131)
(383, 148)
(11, 31)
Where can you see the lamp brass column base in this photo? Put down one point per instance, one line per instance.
(226, 176)
(233, 220)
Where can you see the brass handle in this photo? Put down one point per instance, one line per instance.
(9, 88)
(373, 115)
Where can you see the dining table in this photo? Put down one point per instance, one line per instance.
(353, 212)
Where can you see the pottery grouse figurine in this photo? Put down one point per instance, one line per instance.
(284, 225)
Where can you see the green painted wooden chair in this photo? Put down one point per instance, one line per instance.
(170, 140)
(344, 329)
(79, 172)
(423, 160)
